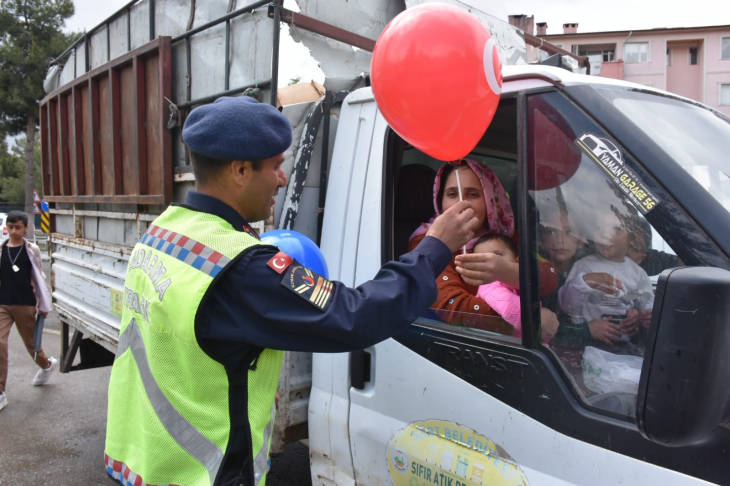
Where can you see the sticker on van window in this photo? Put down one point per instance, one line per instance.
(608, 157)
(446, 453)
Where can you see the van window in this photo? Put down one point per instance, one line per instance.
(458, 308)
(594, 211)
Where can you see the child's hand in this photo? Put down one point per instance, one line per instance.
(630, 325)
(604, 282)
(604, 331)
(646, 318)
(549, 324)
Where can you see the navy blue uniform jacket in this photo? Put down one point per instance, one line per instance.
(248, 309)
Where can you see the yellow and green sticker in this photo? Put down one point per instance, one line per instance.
(437, 452)
(117, 302)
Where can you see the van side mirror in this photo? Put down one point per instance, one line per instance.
(684, 388)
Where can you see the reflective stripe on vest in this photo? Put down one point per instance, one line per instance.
(261, 462)
(187, 436)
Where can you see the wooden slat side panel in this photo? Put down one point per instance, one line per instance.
(88, 139)
(107, 199)
(95, 136)
(67, 144)
(106, 137)
(45, 151)
(128, 135)
(140, 125)
(165, 81)
(63, 146)
(53, 129)
(78, 138)
(116, 117)
(153, 128)
(150, 47)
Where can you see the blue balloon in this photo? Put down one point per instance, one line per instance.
(299, 247)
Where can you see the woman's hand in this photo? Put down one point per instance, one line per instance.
(549, 324)
(604, 282)
(604, 331)
(483, 268)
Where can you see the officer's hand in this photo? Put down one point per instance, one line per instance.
(456, 226)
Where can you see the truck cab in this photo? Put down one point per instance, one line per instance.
(453, 400)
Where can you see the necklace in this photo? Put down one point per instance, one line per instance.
(16, 269)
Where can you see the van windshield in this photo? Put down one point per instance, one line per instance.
(694, 137)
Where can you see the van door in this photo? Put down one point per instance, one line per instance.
(454, 400)
(356, 161)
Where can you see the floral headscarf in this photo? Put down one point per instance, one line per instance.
(500, 218)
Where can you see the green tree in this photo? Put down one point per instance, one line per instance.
(18, 150)
(12, 186)
(30, 36)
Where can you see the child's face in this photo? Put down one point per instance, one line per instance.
(498, 248)
(16, 231)
(613, 243)
(562, 241)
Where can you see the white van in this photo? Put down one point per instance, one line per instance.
(451, 400)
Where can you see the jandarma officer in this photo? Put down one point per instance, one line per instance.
(209, 311)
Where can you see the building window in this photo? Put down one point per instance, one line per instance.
(636, 52)
(725, 48)
(669, 57)
(725, 94)
(605, 54)
(693, 56)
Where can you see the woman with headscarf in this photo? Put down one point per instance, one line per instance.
(457, 302)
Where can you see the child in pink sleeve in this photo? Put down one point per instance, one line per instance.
(504, 299)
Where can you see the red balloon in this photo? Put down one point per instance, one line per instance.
(437, 78)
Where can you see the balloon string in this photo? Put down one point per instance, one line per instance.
(458, 184)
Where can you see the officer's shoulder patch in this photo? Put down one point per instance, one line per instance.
(311, 287)
(280, 262)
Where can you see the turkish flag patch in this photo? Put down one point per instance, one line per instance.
(280, 262)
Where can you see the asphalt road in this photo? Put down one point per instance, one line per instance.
(54, 434)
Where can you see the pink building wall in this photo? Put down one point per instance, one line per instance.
(701, 82)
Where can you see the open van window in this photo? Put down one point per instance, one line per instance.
(417, 192)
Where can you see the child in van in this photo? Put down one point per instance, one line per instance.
(609, 285)
(504, 299)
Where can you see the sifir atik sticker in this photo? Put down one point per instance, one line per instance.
(608, 157)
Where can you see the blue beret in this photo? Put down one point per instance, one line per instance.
(238, 128)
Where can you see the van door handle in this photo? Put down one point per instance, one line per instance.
(359, 368)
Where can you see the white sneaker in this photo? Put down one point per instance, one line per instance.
(3, 401)
(41, 378)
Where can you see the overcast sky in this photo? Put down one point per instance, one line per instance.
(592, 16)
